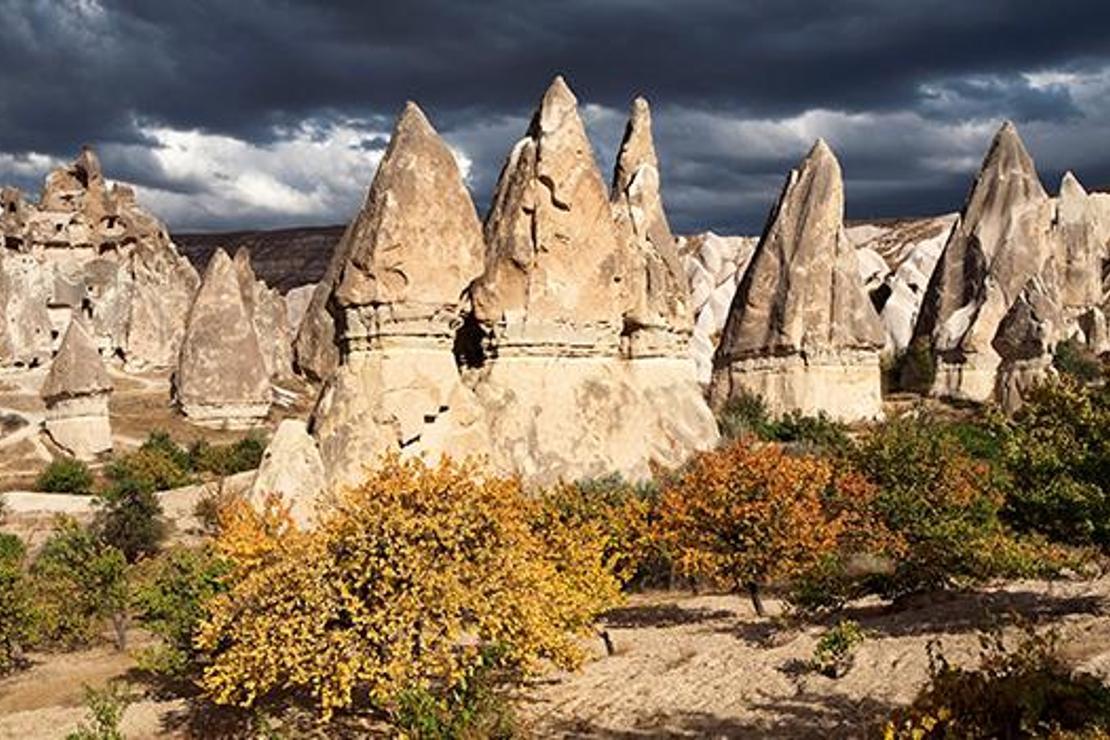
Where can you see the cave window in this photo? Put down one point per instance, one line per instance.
(879, 296)
(469, 347)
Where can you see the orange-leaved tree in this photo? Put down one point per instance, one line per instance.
(403, 584)
(749, 513)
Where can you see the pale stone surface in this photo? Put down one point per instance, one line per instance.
(92, 248)
(291, 467)
(269, 316)
(76, 391)
(221, 377)
(554, 279)
(296, 305)
(1001, 242)
(1080, 253)
(408, 259)
(1025, 340)
(801, 325)
(658, 315)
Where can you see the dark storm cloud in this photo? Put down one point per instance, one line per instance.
(106, 72)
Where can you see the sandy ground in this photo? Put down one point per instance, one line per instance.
(685, 666)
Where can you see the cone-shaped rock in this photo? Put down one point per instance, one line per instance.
(291, 467)
(1080, 254)
(406, 263)
(269, 316)
(76, 392)
(553, 279)
(801, 331)
(659, 315)
(221, 377)
(1001, 241)
(1025, 341)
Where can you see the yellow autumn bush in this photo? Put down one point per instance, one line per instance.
(406, 580)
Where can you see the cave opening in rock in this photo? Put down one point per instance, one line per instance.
(469, 345)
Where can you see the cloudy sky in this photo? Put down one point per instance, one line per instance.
(266, 113)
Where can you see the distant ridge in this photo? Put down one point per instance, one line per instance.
(284, 258)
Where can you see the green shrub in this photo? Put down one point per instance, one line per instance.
(65, 475)
(935, 499)
(237, 457)
(129, 518)
(817, 433)
(1024, 691)
(104, 709)
(835, 650)
(77, 581)
(15, 604)
(149, 469)
(475, 707)
(170, 599)
(744, 415)
(161, 444)
(916, 367)
(1073, 359)
(1056, 452)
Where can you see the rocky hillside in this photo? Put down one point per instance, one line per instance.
(284, 258)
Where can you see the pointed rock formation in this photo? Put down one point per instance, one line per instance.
(1000, 243)
(659, 315)
(76, 393)
(269, 317)
(553, 283)
(221, 378)
(802, 332)
(406, 262)
(1080, 256)
(1025, 341)
(316, 346)
(291, 466)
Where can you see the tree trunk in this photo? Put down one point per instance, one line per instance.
(757, 601)
(119, 622)
(609, 649)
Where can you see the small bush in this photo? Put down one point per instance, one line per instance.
(1023, 691)
(475, 707)
(742, 516)
(834, 654)
(401, 585)
(160, 444)
(170, 598)
(916, 367)
(15, 605)
(940, 504)
(1056, 452)
(65, 475)
(744, 415)
(77, 581)
(242, 455)
(816, 433)
(104, 709)
(1073, 359)
(129, 518)
(148, 469)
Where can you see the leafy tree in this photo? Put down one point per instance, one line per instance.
(149, 469)
(170, 598)
(744, 515)
(401, 586)
(65, 475)
(129, 518)
(78, 581)
(244, 454)
(15, 606)
(105, 708)
(939, 502)
(1056, 451)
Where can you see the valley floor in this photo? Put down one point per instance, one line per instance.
(684, 666)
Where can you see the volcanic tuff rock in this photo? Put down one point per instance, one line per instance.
(801, 331)
(1026, 338)
(1081, 253)
(269, 316)
(406, 262)
(291, 467)
(554, 279)
(1000, 243)
(221, 377)
(658, 315)
(98, 253)
(76, 392)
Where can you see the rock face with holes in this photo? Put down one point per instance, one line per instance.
(802, 332)
(398, 292)
(222, 379)
(1001, 243)
(89, 249)
(76, 393)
